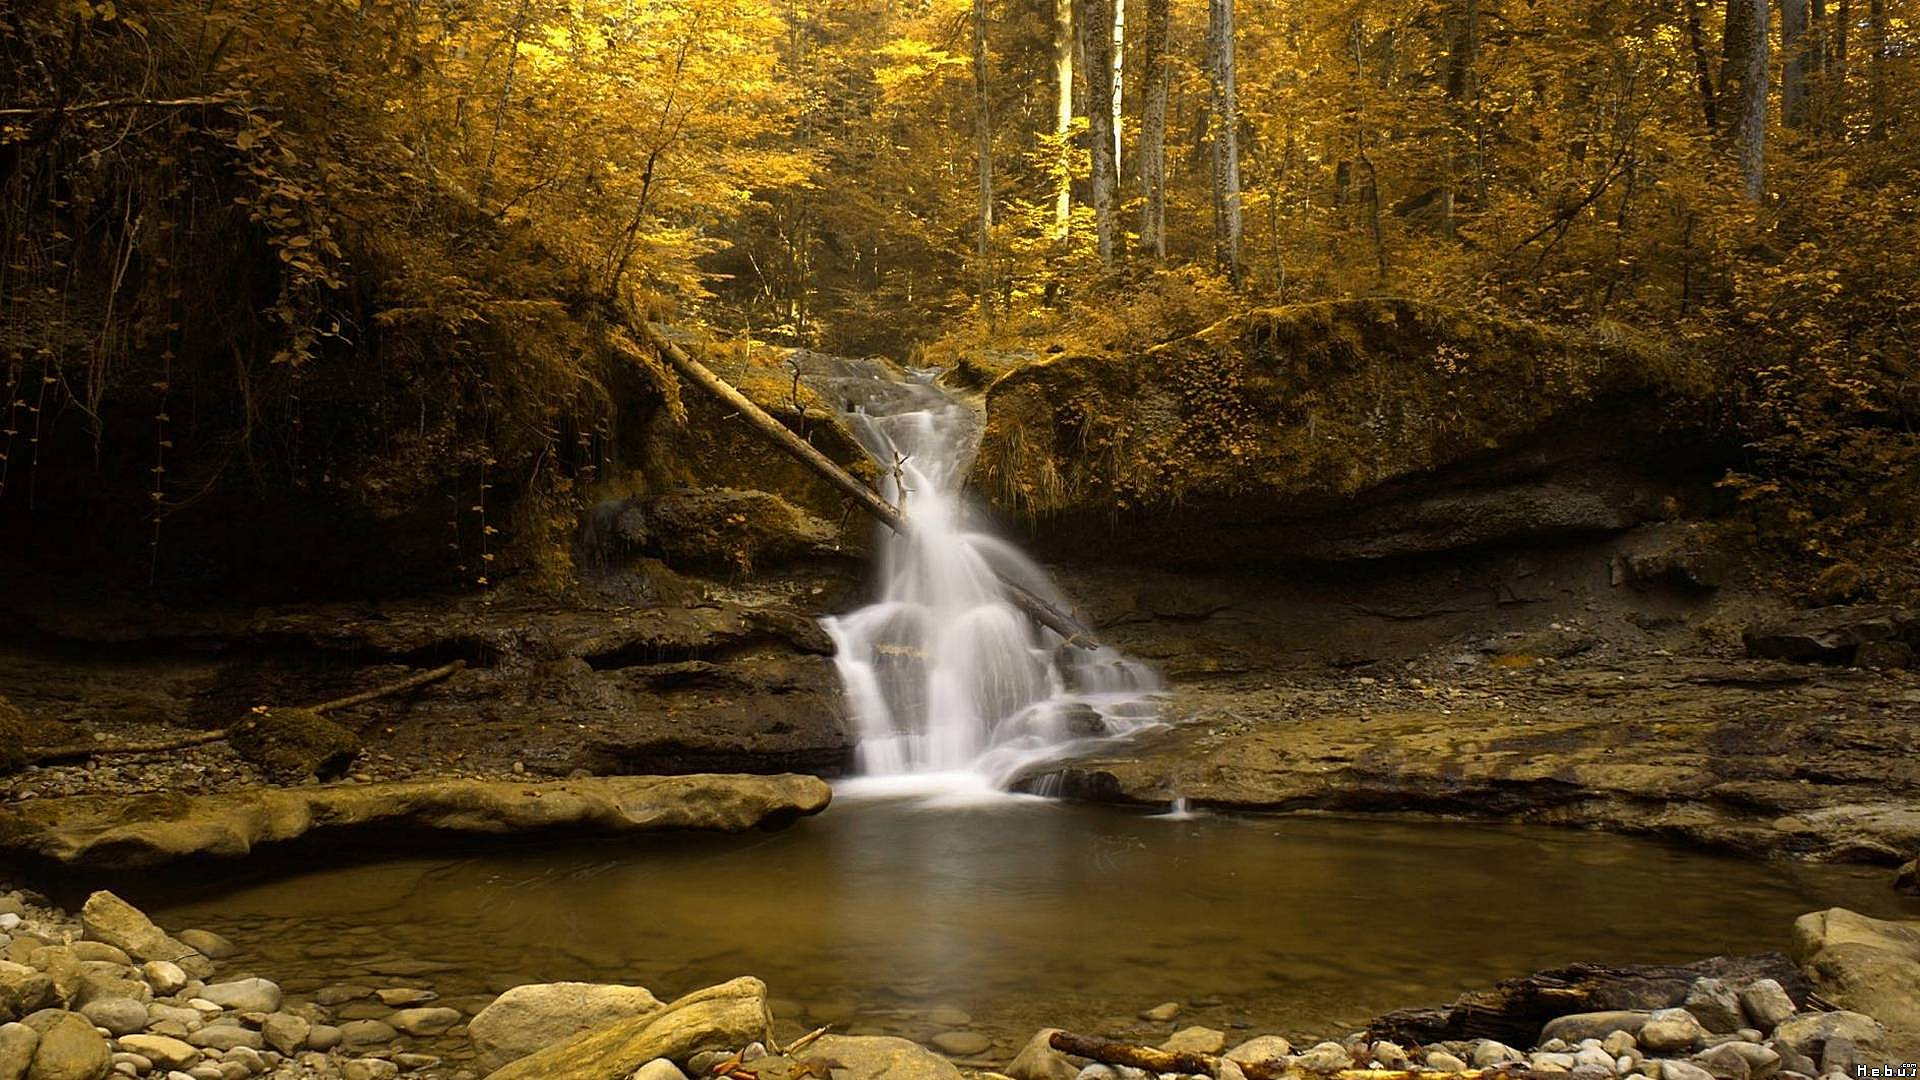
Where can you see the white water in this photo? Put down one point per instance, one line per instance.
(953, 689)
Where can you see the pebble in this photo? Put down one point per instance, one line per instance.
(119, 1016)
(400, 997)
(659, 1069)
(244, 995)
(1162, 1012)
(429, 1020)
(949, 1016)
(208, 944)
(225, 1037)
(1488, 1052)
(1441, 1061)
(1389, 1055)
(1671, 1030)
(1328, 1057)
(1261, 1048)
(285, 1032)
(962, 1043)
(361, 1034)
(1196, 1040)
(164, 976)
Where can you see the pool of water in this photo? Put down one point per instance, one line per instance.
(1026, 913)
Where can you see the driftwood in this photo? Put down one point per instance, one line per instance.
(1514, 1010)
(1155, 1060)
(863, 496)
(81, 751)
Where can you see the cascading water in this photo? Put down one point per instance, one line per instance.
(943, 673)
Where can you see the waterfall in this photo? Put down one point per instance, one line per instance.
(942, 673)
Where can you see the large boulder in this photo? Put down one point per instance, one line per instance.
(1867, 965)
(526, 1018)
(107, 918)
(150, 830)
(23, 990)
(723, 1017)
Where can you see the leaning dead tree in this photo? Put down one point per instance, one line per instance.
(1037, 608)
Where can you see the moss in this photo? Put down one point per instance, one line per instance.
(735, 529)
(293, 745)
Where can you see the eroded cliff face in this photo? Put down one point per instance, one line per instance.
(1364, 430)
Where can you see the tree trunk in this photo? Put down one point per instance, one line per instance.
(1222, 101)
(1063, 113)
(1702, 66)
(1793, 67)
(1153, 130)
(1094, 21)
(1743, 86)
(1879, 103)
(983, 153)
(1119, 83)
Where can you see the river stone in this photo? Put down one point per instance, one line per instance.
(1715, 1005)
(1683, 1070)
(100, 951)
(341, 994)
(244, 995)
(165, 976)
(1866, 965)
(23, 990)
(1162, 1012)
(1762, 1062)
(1389, 1055)
(225, 1036)
(721, 1017)
(105, 917)
(1552, 1061)
(526, 1018)
(428, 1020)
(369, 1069)
(17, 1042)
(1488, 1053)
(1594, 1055)
(1575, 1027)
(1038, 1060)
(881, 1057)
(659, 1069)
(120, 1016)
(1261, 1049)
(1195, 1040)
(401, 997)
(285, 1032)
(108, 981)
(365, 1034)
(949, 1016)
(1328, 1057)
(1808, 1033)
(1766, 1003)
(1437, 1060)
(1725, 1063)
(1670, 1031)
(69, 1049)
(962, 1043)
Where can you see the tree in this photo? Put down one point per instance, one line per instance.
(1094, 21)
(1224, 118)
(1063, 114)
(1152, 151)
(983, 154)
(1793, 67)
(1743, 86)
(1119, 56)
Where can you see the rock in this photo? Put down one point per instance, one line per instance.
(1682, 1070)
(659, 1069)
(108, 981)
(410, 1060)
(1840, 1056)
(369, 1069)
(1331, 1057)
(1593, 1025)
(341, 993)
(1766, 1004)
(100, 951)
(1867, 965)
(526, 1018)
(1829, 635)
(285, 1032)
(1884, 656)
(244, 995)
(1038, 1060)
(1260, 1049)
(293, 745)
(225, 1037)
(23, 990)
(1762, 1062)
(1388, 1055)
(1791, 1062)
(1591, 1072)
(143, 831)
(1808, 1033)
(69, 1049)
(165, 976)
(881, 1057)
(323, 1037)
(106, 917)
(962, 1043)
(365, 1034)
(1441, 1061)
(1906, 880)
(1488, 1053)
(1724, 1062)
(1162, 1012)
(428, 1020)
(726, 1016)
(17, 1043)
(120, 1016)
(209, 944)
(1715, 1005)
(1618, 1042)
(1671, 1031)
(1550, 1060)
(1595, 1056)
(949, 1016)
(248, 1057)
(1196, 1040)
(400, 997)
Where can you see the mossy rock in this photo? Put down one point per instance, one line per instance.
(735, 529)
(292, 745)
(13, 738)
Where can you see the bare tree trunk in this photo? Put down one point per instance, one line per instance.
(1702, 66)
(983, 152)
(1222, 100)
(1063, 112)
(1153, 130)
(1793, 68)
(1743, 85)
(1842, 22)
(1878, 101)
(485, 187)
(1119, 84)
(1094, 21)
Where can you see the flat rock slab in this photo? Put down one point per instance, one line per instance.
(149, 830)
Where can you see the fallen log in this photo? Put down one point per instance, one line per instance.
(869, 500)
(1155, 1060)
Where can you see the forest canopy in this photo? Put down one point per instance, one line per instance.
(375, 252)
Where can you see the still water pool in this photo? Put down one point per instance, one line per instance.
(1025, 913)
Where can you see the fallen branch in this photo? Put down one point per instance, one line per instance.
(866, 498)
(81, 751)
(1156, 1060)
(122, 103)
